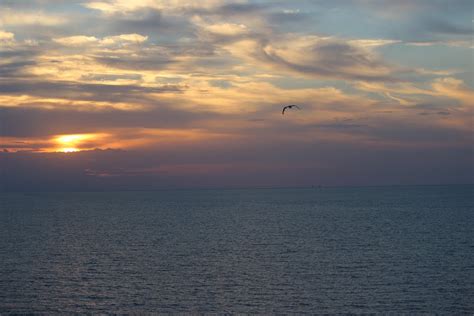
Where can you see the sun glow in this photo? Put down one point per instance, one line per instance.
(72, 143)
(68, 150)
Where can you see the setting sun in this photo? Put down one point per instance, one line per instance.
(73, 143)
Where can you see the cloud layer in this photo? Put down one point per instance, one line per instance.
(171, 92)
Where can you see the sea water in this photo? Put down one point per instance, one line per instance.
(321, 250)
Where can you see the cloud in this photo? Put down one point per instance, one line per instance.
(16, 58)
(237, 8)
(77, 40)
(368, 43)
(84, 91)
(81, 40)
(452, 43)
(6, 36)
(146, 61)
(454, 88)
(215, 29)
(318, 57)
(14, 18)
(38, 122)
(11, 69)
(117, 6)
(227, 29)
(196, 87)
(289, 18)
(339, 126)
(240, 165)
(111, 77)
(124, 38)
(444, 113)
(437, 30)
(149, 21)
(440, 90)
(445, 27)
(425, 133)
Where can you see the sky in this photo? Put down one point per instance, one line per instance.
(152, 94)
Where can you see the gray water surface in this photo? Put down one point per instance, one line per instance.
(319, 250)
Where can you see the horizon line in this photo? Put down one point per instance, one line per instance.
(239, 188)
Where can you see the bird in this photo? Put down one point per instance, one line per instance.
(289, 107)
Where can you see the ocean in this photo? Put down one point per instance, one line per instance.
(399, 249)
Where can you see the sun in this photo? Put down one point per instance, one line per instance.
(71, 143)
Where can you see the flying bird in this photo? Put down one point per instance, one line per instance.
(289, 107)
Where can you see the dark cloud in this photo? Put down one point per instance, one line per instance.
(434, 29)
(82, 91)
(164, 57)
(31, 4)
(406, 133)
(442, 113)
(15, 62)
(339, 126)
(30, 122)
(241, 8)
(81, 171)
(302, 164)
(389, 130)
(150, 21)
(15, 69)
(230, 9)
(141, 20)
(445, 27)
(17, 54)
(437, 105)
(130, 62)
(221, 84)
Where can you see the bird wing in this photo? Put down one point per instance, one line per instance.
(284, 109)
(297, 107)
